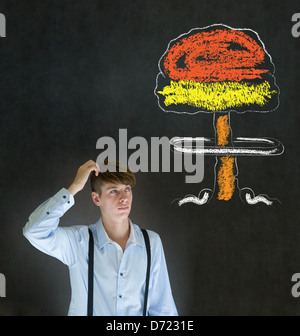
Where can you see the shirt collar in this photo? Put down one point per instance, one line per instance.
(135, 236)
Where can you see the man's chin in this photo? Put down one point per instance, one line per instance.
(123, 212)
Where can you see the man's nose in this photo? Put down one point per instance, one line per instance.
(123, 197)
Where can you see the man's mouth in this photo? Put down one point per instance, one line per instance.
(125, 207)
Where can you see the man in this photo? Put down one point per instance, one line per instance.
(120, 256)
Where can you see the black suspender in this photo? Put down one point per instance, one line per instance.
(147, 242)
(91, 272)
(91, 275)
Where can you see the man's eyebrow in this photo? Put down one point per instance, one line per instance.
(111, 186)
(114, 186)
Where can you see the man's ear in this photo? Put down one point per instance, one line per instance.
(96, 198)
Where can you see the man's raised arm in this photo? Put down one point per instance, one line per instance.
(42, 229)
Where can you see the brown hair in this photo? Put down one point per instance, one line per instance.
(122, 177)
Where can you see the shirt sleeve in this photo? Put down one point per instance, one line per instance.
(161, 302)
(43, 232)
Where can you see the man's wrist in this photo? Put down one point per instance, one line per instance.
(73, 189)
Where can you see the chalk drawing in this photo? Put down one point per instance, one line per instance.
(219, 69)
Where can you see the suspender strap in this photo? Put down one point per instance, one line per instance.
(147, 242)
(90, 275)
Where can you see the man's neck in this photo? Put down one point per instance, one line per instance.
(117, 230)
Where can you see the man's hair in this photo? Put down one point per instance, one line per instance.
(125, 176)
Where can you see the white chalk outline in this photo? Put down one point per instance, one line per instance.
(208, 193)
(201, 111)
(194, 199)
(277, 148)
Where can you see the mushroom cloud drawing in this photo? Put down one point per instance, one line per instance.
(220, 70)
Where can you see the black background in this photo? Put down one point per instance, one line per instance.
(74, 71)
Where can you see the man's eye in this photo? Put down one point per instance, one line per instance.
(128, 189)
(114, 191)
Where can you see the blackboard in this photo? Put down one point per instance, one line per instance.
(74, 71)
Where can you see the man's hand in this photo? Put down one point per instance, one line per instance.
(83, 175)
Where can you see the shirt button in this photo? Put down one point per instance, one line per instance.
(121, 274)
(64, 196)
(48, 213)
(120, 296)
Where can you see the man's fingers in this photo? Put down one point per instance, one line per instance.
(82, 176)
(97, 171)
(92, 165)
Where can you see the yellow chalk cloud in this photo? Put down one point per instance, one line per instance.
(217, 96)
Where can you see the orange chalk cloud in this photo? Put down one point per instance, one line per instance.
(216, 55)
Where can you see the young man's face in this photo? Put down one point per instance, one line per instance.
(115, 200)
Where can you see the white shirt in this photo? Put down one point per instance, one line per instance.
(119, 278)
